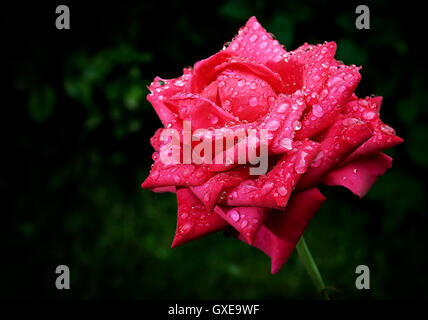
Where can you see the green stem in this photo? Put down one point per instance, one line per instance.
(311, 267)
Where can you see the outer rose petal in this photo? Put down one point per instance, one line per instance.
(166, 175)
(339, 141)
(171, 189)
(316, 61)
(333, 97)
(282, 230)
(273, 190)
(211, 191)
(360, 174)
(246, 220)
(162, 89)
(193, 219)
(155, 140)
(383, 136)
(255, 44)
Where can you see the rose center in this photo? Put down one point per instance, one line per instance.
(244, 95)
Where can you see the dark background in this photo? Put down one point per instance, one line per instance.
(75, 147)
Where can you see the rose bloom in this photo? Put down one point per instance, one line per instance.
(320, 132)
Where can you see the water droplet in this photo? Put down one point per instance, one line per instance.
(318, 159)
(253, 38)
(300, 165)
(263, 45)
(241, 83)
(155, 174)
(213, 120)
(355, 170)
(221, 84)
(369, 115)
(297, 125)
(244, 223)
(282, 191)
(186, 228)
(234, 215)
(179, 83)
(282, 108)
(387, 129)
(207, 197)
(273, 125)
(267, 187)
(286, 143)
(253, 101)
(317, 110)
(184, 215)
(350, 121)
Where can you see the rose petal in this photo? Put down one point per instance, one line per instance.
(278, 237)
(383, 136)
(162, 89)
(193, 219)
(244, 95)
(246, 220)
(342, 138)
(202, 112)
(287, 111)
(171, 189)
(255, 44)
(336, 93)
(155, 140)
(360, 174)
(204, 71)
(261, 71)
(211, 191)
(273, 189)
(316, 61)
(164, 175)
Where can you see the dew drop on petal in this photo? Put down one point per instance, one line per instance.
(155, 174)
(387, 129)
(241, 83)
(286, 143)
(273, 125)
(213, 120)
(186, 228)
(317, 111)
(234, 215)
(369, 115)
(282, 191)
(282, 108)
(300, 165)
(253, 101)
(267, 187)
(318, 159)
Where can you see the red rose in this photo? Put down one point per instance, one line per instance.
(319, 131)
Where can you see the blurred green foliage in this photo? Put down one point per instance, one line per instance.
(76, 141)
